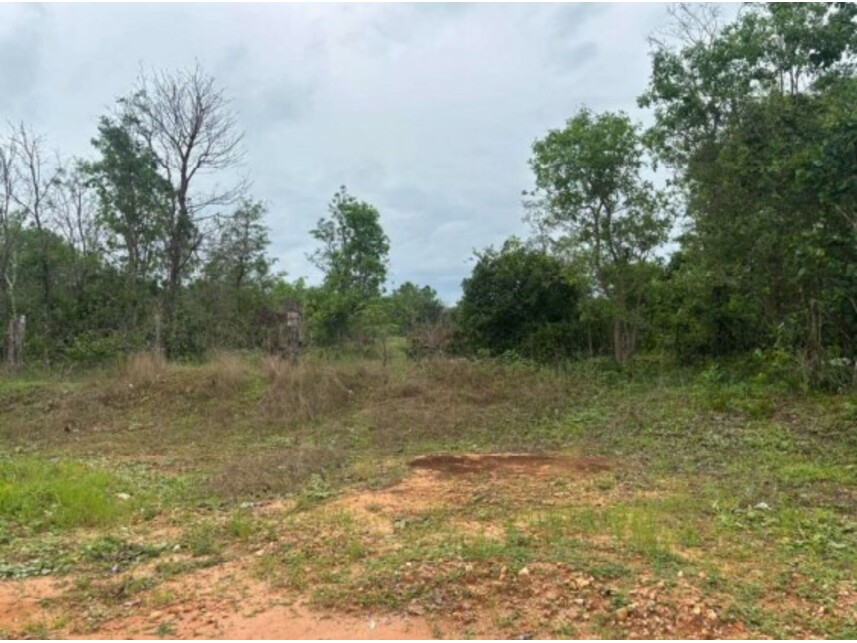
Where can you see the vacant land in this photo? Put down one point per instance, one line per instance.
(446, 498)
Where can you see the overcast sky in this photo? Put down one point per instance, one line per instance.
(426, 111)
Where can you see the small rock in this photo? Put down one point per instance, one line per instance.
(123, 496)
(711, 615)
(622, 614)
(503, 572)
(371, 624)
(762, 506)
(524, 574)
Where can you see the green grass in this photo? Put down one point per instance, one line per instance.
(42, 494)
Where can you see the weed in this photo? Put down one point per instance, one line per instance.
(115, 553)
(201, 539)
(166, 629)
(43, 494)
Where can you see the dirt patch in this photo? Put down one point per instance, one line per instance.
(225, 602)
(21, 602)
(509, 464)
(419, 492)
(435, 483)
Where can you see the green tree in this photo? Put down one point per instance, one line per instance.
(236, 279)
(592, 195)
(412, 306)
(520, 299)
(134, 200)
(750, 118)
(353, 257)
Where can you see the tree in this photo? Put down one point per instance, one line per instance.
(38, 178)
(748, 118)
(353, 256)
(236, 278)
(412, 306)
(134, 202)
(189, 129)
(589, 184)
(520, 299)
(238, 255)
(11, 223)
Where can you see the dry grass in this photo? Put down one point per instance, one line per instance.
(314, 388)
(229, 373)
(282, 471)
(447, 400)
(143, 369)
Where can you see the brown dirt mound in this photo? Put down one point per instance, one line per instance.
(508, 463)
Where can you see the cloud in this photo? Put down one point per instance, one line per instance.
(426, 111)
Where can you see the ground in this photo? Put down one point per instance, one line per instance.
(247, 498)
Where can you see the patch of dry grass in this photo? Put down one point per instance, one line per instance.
(142, 369)
(281, 471)
(229, 373)
(447, 400)
(314, 388)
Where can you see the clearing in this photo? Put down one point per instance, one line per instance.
(244, 498)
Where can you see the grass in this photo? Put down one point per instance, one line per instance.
(739, 496)
(42, 494)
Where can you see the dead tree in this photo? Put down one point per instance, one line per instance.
(11, 223)
(189, 127)
(38, 178)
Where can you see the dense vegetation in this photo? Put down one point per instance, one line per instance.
(727, 228)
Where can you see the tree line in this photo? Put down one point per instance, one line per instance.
(755, 126)
(727, 227)
(142, 246)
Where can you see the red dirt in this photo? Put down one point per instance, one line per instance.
(281, 622)
(228, 602)
(509, 464)
(20, 602)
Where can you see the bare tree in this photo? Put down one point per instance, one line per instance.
(75, 218)
(37, 179)
(10, 226)
(690, 24)
(188, 124)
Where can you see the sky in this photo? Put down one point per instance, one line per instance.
(428, 112)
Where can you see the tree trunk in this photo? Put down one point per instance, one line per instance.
(15, 341)
(618, 344)
(159, 340)
(624, 341)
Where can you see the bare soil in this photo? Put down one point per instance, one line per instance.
(230, 601)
